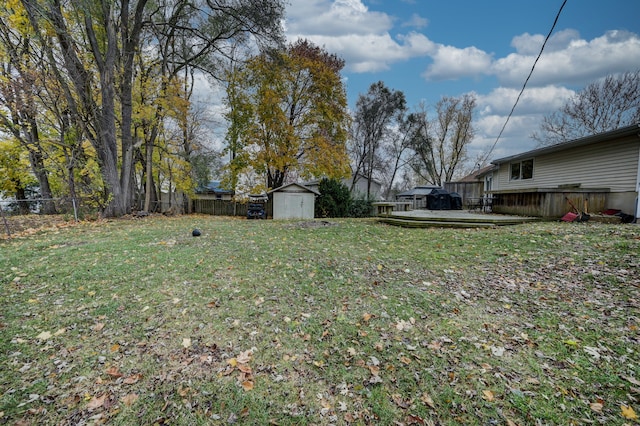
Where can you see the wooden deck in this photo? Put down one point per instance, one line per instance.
(451, 219)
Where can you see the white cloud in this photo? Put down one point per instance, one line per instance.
(450, 63)
(515, 138)
(360, 36)
(369, 53)
(334, 18)
(577, 63)
(537, 100)
(416, 21)
(529, 45)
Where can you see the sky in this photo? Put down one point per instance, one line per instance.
(433, 48)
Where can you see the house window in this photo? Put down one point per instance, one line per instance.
(522, 170)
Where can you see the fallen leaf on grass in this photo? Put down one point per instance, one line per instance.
(633, 380)
(183, 391)
(435, 345)
(488, 395)
(186, 343)
(96, 402)
(130, 399)
(592, 351)
(427, 400)
(45, 335)
(99, 326)
(628, 412)
(375, 379)
(244, 357)
(399, 401)
(247, 385)
(132, 379)
(244, 368)
(113, 371)
(497, 351)
(596, 406)
(405, 360)
(412, 419)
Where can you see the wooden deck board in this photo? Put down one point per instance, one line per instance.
(451, 219)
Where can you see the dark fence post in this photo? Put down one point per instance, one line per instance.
(6, 224)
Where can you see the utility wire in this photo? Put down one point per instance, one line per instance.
(525, 83)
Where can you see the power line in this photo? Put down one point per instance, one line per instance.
(525, 82)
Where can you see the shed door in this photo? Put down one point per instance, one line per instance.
(294, 206)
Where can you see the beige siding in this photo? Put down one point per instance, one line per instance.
(612, 165)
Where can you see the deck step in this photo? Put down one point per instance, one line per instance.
(424, 223)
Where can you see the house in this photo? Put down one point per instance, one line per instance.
(213, 191)
(358, 184)
(598, 172)
(293, 201)
(359, 189)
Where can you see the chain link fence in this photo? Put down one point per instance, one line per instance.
(16, 215)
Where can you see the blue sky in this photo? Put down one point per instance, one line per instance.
(434, 48)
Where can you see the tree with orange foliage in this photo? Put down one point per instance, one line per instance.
(288, 115)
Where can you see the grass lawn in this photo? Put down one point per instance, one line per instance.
(292, 323)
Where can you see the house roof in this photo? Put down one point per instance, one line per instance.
(302, 187)
(316, 182)
(419, 191)
(213, 187)
(476, 175)
(622, 132)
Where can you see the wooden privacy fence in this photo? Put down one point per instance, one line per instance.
(224, 207)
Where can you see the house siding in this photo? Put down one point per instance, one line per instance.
(610, 164)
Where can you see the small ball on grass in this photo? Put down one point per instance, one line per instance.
(196, 232)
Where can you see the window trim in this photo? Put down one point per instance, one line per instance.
(521, 168)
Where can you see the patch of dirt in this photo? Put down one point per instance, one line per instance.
(29, 224)
(313, 224)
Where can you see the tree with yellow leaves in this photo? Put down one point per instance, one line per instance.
(288, 115)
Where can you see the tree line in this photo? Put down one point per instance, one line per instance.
(95, 93)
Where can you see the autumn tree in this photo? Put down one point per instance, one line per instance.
(604, 105)
(288, 114)
(90, 46)
(440, 144)
(20, 83)
(378, 113)
(15, 175)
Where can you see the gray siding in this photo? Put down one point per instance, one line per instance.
(611, 164)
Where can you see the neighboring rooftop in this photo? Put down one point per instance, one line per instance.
(213, 187)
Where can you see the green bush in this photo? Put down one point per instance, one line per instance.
(360, 208)
(334, 199)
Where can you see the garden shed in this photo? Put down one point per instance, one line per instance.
(293, 201)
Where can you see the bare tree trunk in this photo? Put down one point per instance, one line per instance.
(148, 176)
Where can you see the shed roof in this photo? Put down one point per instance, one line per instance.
(300, 186)
(575, 143)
